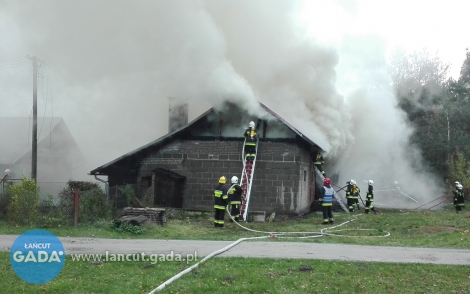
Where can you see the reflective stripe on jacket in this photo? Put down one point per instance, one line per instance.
(327, 199)
(220, 197)
(250, 135)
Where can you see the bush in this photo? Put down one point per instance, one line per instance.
(128, 192)
(127, 227)
(66, 200)
(23, 208)
(51, 215)
(5, 198)
(93, 206)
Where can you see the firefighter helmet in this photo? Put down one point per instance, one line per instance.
(327, 182)
(353, 182)
(371, 182)
(222, 180)
(457, 183)
(234, 180)
(252, 124)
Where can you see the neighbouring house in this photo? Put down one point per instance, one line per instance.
(182, 168)
(58, 155)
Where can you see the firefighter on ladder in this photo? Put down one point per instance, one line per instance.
(458, 197)
(318, 162)
(220, 202)
(326, 201)
(250, 141)
(235, 199)
(370, 196)
(352, 195)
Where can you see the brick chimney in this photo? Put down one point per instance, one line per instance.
(178, 114)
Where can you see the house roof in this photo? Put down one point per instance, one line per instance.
(16, 133)
(162, 140)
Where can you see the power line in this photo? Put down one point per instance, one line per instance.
(14, 65)
(12, 59)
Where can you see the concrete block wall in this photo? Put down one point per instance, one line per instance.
(277, 184)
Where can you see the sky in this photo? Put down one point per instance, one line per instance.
(109, 66)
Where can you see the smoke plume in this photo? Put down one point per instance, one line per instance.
(114, 63)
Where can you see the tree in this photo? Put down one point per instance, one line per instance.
(459, 169)
(418, 78)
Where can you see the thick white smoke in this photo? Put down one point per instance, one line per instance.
(114, 63)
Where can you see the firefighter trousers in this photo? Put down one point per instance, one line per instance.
(219, 217)
(235, 211)
(327, 214)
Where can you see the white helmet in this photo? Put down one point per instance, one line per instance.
(234, 180)
(459, 186)
(252, 124)
(371, 182)
(353, 182)
(457, 183)
(396, 182)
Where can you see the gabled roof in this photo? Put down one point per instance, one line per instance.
(162, 140)
(289, 126)
(16, 133)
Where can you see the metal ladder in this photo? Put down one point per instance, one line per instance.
(319, 174)
(246, 181)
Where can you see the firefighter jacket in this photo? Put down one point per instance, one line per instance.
(370, 194)
(250, 136)
(327, 196)
(235, 195)
(354, 192)
(319, 160)
(458, 197)
(220, 197)
(348, 190)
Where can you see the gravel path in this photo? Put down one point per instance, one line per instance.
(261, 249)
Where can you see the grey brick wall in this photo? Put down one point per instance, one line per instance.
(278, 182)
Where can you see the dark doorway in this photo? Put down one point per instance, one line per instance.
(169, 188)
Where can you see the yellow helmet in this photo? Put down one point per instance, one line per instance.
(222, 180)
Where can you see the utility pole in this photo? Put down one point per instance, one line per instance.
(34, 152)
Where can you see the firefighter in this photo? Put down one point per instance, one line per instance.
(458, 197)
(250, 141)
(326, 201)
(352, 195)
(220, 202)
(235, 198)
(318, 162)
(370, 196)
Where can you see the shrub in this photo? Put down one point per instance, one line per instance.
(93, 206)
(66, 195)
(5, 198)
(127, 227)
(51, 215)
(23, 208)
(128, 192)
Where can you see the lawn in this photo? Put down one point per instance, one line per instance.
(246, 275)
(442, 229)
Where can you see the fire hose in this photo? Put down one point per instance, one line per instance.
(270, 235)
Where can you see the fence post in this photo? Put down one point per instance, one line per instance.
(76, 205)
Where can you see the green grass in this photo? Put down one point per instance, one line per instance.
(246, 275)
(443, 229)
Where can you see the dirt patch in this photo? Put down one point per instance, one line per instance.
(436, 229)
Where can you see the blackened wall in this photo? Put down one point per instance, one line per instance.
(282, 180)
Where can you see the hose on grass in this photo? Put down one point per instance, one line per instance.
(270, 235)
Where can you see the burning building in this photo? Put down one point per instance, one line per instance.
(182, 168)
